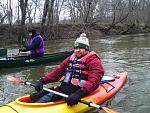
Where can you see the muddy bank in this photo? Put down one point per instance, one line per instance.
(71, 31)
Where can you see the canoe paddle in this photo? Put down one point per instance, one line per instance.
(18, 81)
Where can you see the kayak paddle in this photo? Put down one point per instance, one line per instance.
(18, 81)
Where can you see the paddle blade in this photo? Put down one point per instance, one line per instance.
(14, 79)
(107, 110)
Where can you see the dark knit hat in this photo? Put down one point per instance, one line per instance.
(33, 31)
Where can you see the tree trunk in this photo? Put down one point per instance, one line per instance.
(23, 7)
(88, 12)
(45, 11)
(49, 27)
(10, 19)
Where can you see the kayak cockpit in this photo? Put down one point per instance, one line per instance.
(26, 101)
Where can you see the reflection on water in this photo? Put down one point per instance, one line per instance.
(129, 53)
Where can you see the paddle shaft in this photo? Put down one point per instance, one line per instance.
(66, 96)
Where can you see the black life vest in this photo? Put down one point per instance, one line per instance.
(77, 72)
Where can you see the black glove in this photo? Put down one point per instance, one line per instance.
(39, 85)
(74, 98)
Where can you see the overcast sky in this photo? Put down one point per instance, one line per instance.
(63, 15)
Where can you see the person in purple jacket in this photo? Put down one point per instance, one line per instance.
(35, 44)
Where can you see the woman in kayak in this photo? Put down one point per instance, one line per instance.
(80, 75)
(35, 44)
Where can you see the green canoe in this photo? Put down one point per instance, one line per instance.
(3, 52)
(21, 61)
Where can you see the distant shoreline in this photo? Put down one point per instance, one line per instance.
(63, 31)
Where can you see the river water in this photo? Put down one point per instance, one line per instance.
(121, 53)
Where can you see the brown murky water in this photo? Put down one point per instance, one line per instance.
(129, 53)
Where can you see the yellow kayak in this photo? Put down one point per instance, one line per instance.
(105, 92)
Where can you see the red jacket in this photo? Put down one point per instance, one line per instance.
(96, 71)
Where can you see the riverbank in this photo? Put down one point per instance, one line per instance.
(62, 31)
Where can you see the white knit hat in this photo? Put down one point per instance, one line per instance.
(82, 42)
(83, 35)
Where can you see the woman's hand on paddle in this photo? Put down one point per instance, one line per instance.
(74, 98)
(39, 85)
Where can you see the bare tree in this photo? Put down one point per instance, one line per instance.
(51, 13)
(45, 12)
(147, 9)
(23, 7)
(10, 18)
(129, 13)
(57, 10)
(3, 13)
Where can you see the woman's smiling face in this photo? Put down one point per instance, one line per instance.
(80, 52)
